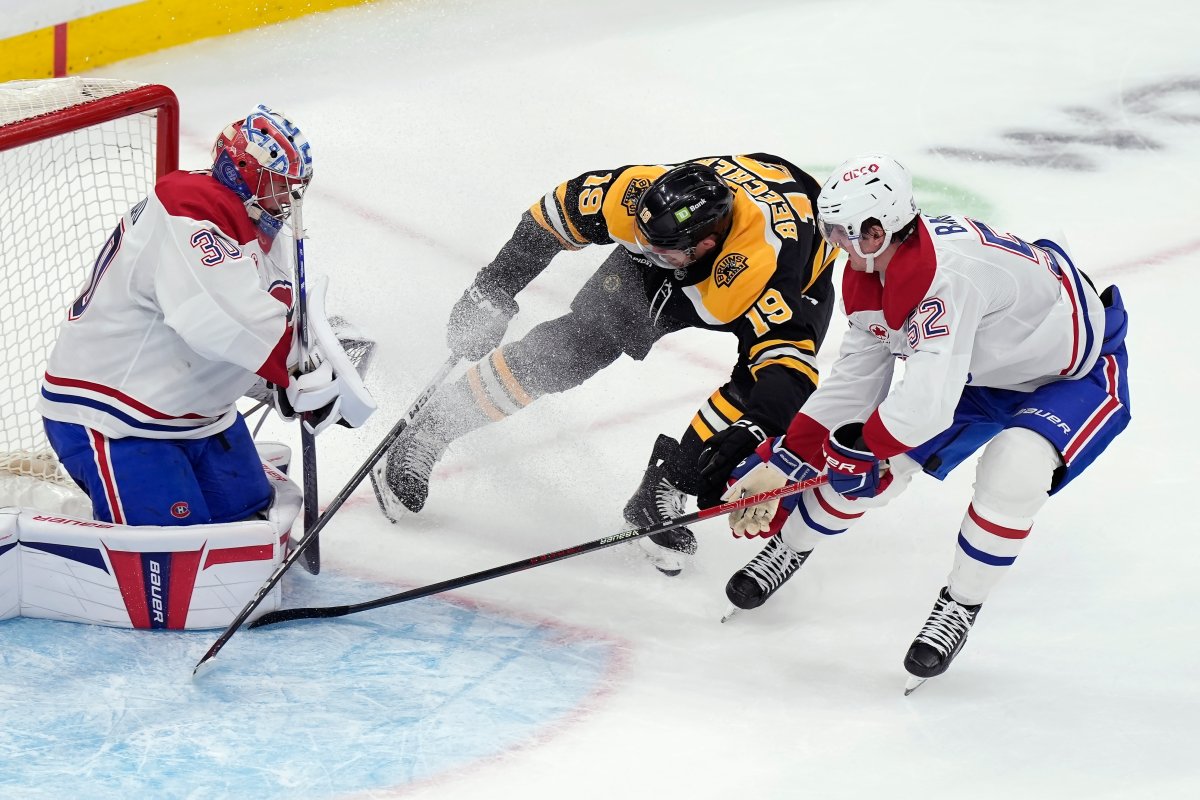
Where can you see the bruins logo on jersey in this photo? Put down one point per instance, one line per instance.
(633, 193)
(729, 268)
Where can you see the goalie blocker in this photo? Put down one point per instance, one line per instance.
(151, 577)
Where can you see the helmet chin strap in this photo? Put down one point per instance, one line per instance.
(870, 257)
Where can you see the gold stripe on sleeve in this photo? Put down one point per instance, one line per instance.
(804, 344)
(791, 363)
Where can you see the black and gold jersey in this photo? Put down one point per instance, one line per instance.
(769, 282)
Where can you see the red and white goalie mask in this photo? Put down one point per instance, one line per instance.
(266, 160)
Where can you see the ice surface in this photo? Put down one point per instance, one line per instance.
(434, 124)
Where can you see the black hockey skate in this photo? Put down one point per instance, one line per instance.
(401, 479)
(657, 500)
(937, 644)
(751, 585)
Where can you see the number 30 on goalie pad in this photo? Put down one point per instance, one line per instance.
(178, 578)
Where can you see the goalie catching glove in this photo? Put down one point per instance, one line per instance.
(331, 390)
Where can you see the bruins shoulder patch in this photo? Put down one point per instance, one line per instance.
(633, 193)
(729, 268)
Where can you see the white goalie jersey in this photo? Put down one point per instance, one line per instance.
(961, 305)
(184, 310)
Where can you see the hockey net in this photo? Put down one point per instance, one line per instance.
(75, 154)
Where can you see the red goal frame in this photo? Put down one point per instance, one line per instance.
(151, 97)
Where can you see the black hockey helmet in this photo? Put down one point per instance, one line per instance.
(683, 206)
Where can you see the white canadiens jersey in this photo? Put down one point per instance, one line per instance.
(963, 305)
(183, 311)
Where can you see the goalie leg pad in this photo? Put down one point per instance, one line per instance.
(153, 577)
(10, 562)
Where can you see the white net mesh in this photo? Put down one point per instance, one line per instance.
(60, 197)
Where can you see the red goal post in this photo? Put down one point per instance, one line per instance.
(75, 154)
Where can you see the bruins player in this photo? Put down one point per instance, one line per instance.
(725, 243)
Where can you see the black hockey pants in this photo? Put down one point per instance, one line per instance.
(609, 316)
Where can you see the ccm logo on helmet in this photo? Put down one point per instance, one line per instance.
(858, 172)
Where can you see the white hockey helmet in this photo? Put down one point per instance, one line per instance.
(866, 187)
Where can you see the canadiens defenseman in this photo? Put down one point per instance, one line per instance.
(188, 306)
(727, 243)
(1007, 346)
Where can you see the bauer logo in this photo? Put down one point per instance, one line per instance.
(158, 609)
(1053, 419)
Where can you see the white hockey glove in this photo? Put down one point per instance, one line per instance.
(758, 476)
(752, 521)
(332, 391)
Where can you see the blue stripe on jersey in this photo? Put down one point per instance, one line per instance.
(133, 422)
(1077, 280)
(981, 556)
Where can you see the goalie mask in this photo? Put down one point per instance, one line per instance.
(678, 210)
(265, 159)
(865, 188)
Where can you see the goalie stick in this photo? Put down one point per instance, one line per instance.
(288, 614)
(308, 439)
(334, 505)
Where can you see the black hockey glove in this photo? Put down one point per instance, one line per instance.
(478, 321)
(724, 451)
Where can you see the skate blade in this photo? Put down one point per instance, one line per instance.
(390, 508)
(913, 684)
(668, 562)
(730, 614)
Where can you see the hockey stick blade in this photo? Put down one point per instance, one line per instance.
(331, 509)
(289, 614)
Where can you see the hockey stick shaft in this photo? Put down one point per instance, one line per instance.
(334, 505)
(308, 439)
(288, 614)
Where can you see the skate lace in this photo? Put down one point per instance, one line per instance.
(421, 454)
(669, 501)
(774, 565)
(946, 626)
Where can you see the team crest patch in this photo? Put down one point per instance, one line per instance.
(633, 193)
(180, 510)
(729, 268)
